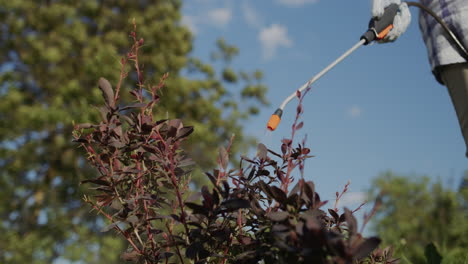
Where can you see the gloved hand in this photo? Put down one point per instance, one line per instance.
(401, 21)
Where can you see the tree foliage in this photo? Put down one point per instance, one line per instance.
(416, 212)
(51, 54)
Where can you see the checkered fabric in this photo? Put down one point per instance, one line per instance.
(440, 49)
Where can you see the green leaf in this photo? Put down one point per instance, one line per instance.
(229, 75)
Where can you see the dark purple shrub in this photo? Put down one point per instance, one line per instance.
(248, 215)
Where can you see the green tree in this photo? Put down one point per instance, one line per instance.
(52, 54)
(416, 212)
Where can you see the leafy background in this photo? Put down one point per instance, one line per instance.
(360, 119)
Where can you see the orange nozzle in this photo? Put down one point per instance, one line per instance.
(384, 32)
(275, 119)
(273, 122)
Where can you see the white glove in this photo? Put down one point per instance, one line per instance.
(401, 21)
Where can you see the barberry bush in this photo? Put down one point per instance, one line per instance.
(259, 211)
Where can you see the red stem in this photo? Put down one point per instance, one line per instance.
(285, 181)
(174, 182)
(169, 229)
(129, 239)
(223, 261)
(122, 76)
(135, 48)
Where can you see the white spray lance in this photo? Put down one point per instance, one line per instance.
(378, 29)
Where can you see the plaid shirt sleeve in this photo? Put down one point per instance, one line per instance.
(439, 48)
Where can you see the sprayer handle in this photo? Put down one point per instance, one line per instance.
(379, 27)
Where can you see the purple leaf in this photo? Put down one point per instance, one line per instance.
(223, 157)
(286, 141)
(299, 109)
(197, 209)
(109, 227)
(207, 198)
(284, 148)
(132, 256)
(300, 125)
(135, 105)
(278, 194)
(107, 92)
(278, 216)
(309, 191)
(274, 153)
(84, 126)
(211, 177)
(97, 181)
(351, 221)
(245, 240)
(184, 132)
(366, 247)
(235, 204)
(262, 151)
(335, 215)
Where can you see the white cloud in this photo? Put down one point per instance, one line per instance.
(219, 17)
(296, 3)
(190, 22)
(352, 199)
(273, 37)
(251, 16)
(354, 111)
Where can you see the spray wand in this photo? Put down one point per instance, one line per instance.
(378, 29)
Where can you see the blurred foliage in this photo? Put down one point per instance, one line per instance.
(52, 54)
(416, 212)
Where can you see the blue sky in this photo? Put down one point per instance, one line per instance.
(380, 109)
